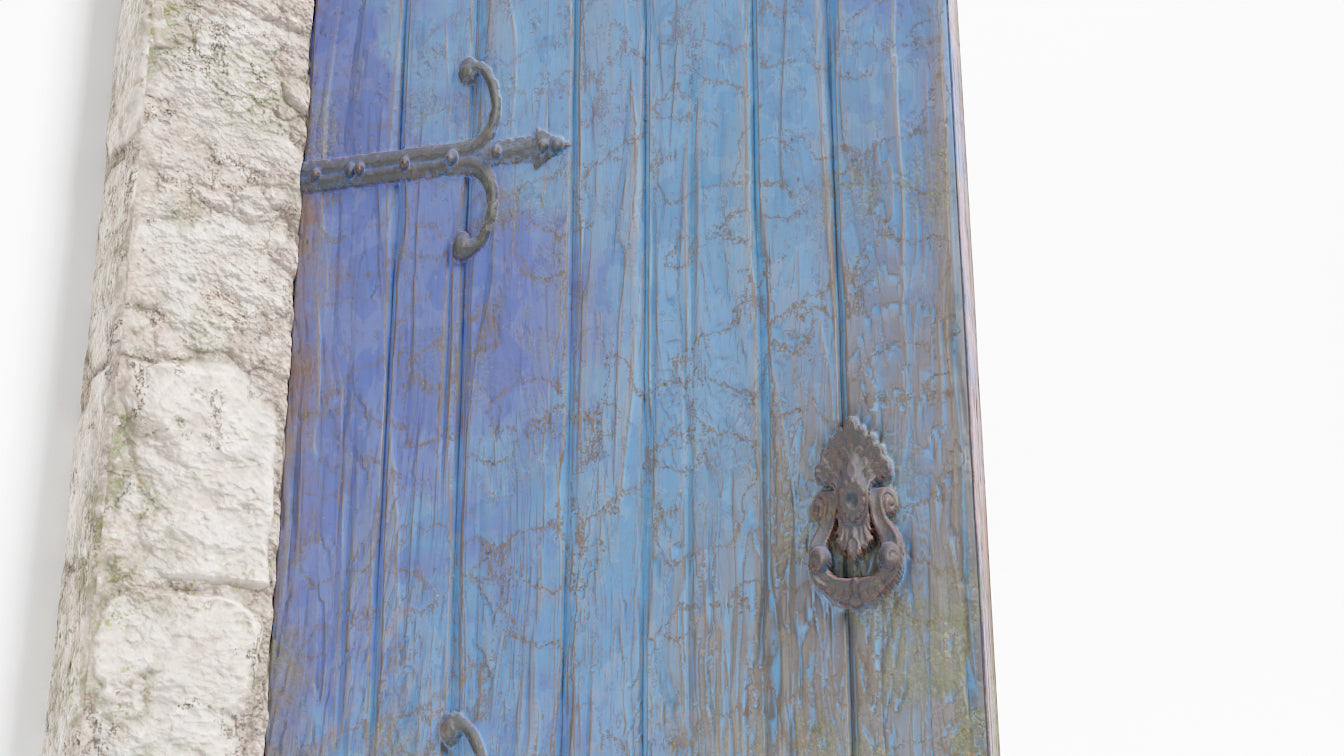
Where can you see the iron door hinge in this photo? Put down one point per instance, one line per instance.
(474, 157)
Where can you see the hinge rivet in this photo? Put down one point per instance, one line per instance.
(497, 151)
(543, 145)
(315, 174)
(452, 157)
(350, 169)
(405, 162)
(359, 168)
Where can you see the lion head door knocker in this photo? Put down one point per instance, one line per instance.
(853, 513)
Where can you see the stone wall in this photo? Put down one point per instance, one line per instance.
(165, 609)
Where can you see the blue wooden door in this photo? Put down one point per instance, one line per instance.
(563, 487)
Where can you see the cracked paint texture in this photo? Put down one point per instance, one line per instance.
(564, 487)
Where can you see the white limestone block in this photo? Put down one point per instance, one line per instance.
(196, 498)
(165, 611)
(175, 670)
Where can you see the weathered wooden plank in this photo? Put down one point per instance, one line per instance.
(356, 58)
(673, 686)
(919, 680)
(322, 673)
(606, 523)
(981, 614)
(419, 533)
(797, 250)
(708, 666)
(515, 398)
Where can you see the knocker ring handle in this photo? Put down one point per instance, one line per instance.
(854, 514)
(456, 724)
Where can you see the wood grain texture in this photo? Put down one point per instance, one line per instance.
(608, 443)
(705, 365)
(797, 259)
(419, 543)
(920, 679)
(515, 398)
(323, 694)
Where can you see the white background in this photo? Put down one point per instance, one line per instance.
(1156, 213)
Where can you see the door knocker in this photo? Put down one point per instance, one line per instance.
(854, 512)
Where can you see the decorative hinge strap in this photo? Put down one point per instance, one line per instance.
(473, 157)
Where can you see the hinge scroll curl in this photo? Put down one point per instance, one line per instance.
(453, 726)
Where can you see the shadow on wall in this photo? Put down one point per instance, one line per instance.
(66, 324)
